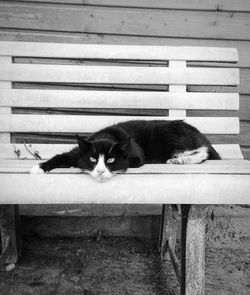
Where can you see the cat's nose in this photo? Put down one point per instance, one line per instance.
(100, 171)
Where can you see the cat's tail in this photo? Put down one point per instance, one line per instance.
(213, 155)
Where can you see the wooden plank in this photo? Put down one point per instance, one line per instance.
(89, 38)
(207, 167)
(27, 151)
(116, 75)
(229, 151)
(214, 5)
(166, 23)
(46, 151)
(180, 88)
(244, 113)
(136, 189)
(77, 124)
(69, 138)
(195, 250)
(204, 167)
(117, 210)
(245, 133)
(10, 234)
(91, 51)
(243, 88)
(5, 60)
(117, 99)
(91, 210)
(246, 152)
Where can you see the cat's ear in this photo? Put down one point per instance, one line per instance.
(84, 144)
(122, 146)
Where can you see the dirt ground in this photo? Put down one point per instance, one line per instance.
(114, 266)
(88, 266)
(123, 266)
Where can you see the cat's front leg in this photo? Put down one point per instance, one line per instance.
(135, 162)
(64, 160)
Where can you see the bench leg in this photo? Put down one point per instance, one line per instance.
(193, 249)
(10, 234)
(168, 233)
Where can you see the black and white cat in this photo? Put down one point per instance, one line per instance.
(131, 144)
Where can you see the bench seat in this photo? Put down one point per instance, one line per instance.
(48, 94)
(212, 182)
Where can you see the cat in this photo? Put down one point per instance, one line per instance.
(131, 144)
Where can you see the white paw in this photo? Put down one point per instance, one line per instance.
(36, 170)
(176, 161)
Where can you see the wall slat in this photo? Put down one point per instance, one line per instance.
(167, 23)
(215, 5)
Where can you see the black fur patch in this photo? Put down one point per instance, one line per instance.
(132, 144)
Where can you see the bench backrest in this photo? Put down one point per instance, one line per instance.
(145, 78)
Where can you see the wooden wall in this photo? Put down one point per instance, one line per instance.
(223, 23)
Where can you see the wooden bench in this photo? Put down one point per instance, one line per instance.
(159, 90)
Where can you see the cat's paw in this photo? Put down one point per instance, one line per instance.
(36, 170)
(176, 161)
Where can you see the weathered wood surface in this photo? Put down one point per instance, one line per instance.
(179, 88)
(243, 88)
(10, 234)
(168, 235)
(91, 38)
(5, 110)
(119, 75)
(168, 23)
(133, 189)
(243, 47)
(215, 5)
(32, 34)
(89, 51)
(78, 124)
(195, 250)
(208, 167)
(45, 151)
(117, 99)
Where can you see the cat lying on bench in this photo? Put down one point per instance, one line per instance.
(131, 144)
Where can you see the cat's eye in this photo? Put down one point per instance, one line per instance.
(111, 160)
(92, 159)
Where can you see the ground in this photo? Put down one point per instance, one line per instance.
(115, 266)
(88, 266)
(127, 265)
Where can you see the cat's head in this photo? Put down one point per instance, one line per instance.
(103, 158)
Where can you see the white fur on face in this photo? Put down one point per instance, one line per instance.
(190, 157)
(101, 172)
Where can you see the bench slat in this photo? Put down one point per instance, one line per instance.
(78, 124)
(207, 167)
(119, 75)
(134, 52)
(46, 151)
(229, 151)
(133, 189)
(118, 99)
